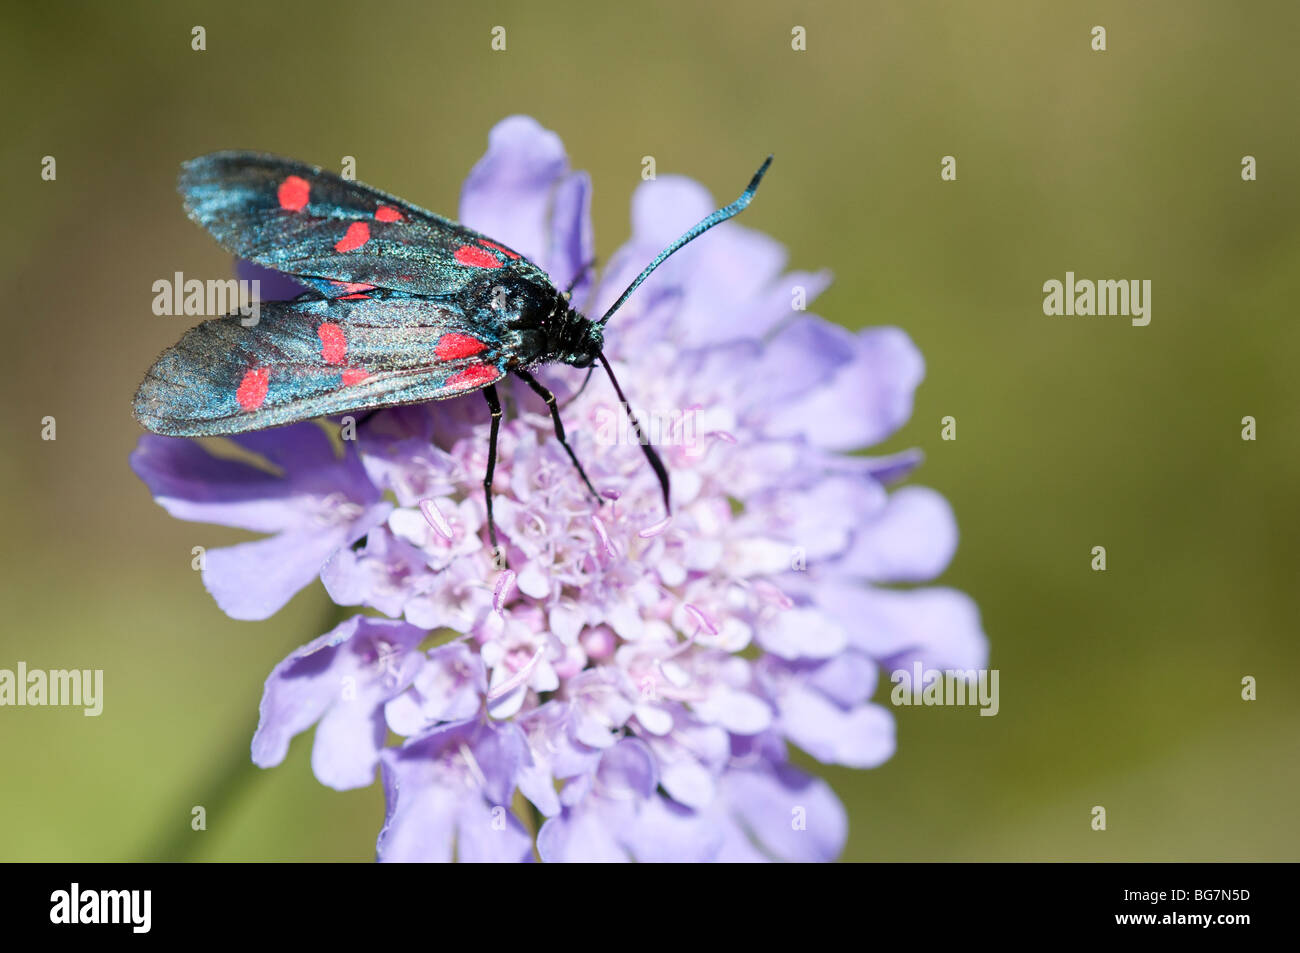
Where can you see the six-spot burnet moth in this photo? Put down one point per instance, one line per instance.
(404, 307)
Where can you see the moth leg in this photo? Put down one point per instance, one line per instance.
(647, 448)
(582, 273)
(547, 396)
(494, 405)
(578, 393)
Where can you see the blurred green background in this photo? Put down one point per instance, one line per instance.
(1119, 689)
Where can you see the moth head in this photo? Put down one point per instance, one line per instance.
(580, 340)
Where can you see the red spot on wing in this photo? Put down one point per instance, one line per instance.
(453, 346)
(293, 193)
(476, 375)
(358, 234)
(252, 389)
(386, 213)
(354, 289)
(505, 251)
(333, 343)
(354, 375)
(476, 257)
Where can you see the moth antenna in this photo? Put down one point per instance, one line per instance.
(650, 453)
(714, 218)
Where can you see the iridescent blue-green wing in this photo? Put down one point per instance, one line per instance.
(313, 357)
(337, 236)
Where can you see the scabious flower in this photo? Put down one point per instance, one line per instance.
(639, 681)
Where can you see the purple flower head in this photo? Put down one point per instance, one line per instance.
(638, 680)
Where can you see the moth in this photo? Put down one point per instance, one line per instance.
(404, 307)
